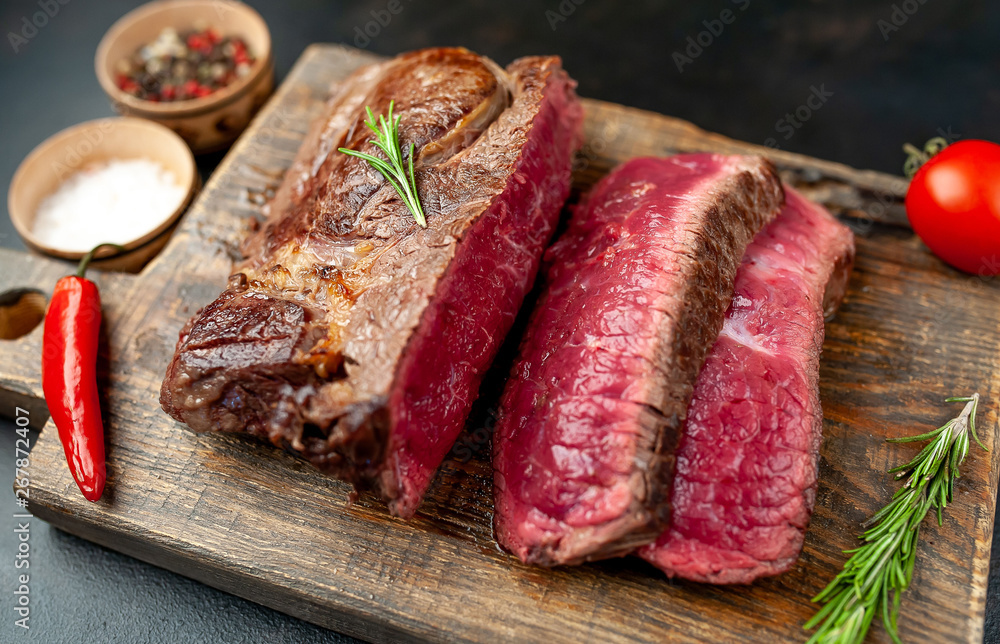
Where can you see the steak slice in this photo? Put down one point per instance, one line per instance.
(746, 465)
(635, 294)
(350, 335)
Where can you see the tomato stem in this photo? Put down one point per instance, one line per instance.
(916, 158)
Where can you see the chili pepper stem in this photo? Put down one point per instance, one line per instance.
(81, 268)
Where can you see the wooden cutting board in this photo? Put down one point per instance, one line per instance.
(255, 522)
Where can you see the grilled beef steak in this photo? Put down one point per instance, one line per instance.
(635, 295)
(354, 337)
(746, 465)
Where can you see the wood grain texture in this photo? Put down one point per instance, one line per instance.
(258, 523)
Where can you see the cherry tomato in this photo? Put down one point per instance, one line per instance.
(954, 206)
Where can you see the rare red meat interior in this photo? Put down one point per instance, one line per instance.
(747, 463)
(635, 295)
(354, 337)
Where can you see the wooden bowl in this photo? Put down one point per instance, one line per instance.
(74, 148)
(21, 310)
(209, 123)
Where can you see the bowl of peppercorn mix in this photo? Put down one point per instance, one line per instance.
(200, 67)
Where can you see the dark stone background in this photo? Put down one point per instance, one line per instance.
(939, 69)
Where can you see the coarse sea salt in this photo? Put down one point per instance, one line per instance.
(118, 202)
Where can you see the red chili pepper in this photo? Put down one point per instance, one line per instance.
(69, 376)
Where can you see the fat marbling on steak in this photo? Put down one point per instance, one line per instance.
(635, 294)
(350, 335)
(747, 463)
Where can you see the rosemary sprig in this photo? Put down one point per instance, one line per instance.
(387, 139)
(879, 571)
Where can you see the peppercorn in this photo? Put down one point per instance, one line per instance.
(184, 66)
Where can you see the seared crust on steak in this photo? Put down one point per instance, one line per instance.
(349, 334)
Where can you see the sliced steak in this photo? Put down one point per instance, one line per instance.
(746, 465)
(635, 294)
(350, 335)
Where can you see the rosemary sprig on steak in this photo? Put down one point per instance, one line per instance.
(387, 139)
(878, 572)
